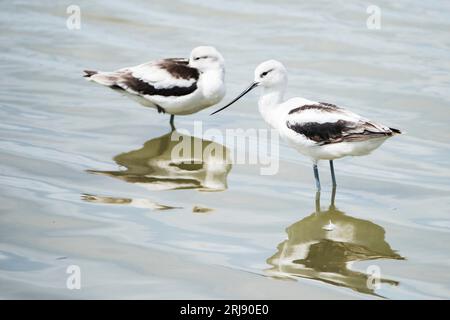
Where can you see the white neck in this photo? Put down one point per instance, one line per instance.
(212, 82)
(269, 101)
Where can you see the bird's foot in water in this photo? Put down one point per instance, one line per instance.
(329, 227)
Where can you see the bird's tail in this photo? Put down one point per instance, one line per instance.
(105, 78)
(89, 73)
(395, 131)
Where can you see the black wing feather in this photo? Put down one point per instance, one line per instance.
(178, 68)
(339, 131)
(145, 88)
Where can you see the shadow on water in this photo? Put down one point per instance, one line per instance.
(323, 245)
(175, 161)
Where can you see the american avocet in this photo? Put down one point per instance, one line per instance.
(319, 130)
(175, 86)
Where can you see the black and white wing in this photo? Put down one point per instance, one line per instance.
(325, 123)
(167, 77)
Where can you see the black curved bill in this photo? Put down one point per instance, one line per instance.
(252, 86)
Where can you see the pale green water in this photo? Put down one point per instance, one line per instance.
(135, 235)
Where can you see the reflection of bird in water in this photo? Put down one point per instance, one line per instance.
(175, 161)
(324, 255)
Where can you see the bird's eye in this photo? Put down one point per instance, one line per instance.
(265, 73)
(198, 58)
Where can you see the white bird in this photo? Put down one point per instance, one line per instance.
(318, 130)
(175, 86)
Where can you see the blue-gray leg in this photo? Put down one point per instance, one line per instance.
(333, 197)
(172, 124)
(316, 176)
(333, 178)
(317, 202)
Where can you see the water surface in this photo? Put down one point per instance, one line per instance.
(86, 176)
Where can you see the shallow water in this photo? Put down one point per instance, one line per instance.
(86, 176)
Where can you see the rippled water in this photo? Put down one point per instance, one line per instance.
(86, 176)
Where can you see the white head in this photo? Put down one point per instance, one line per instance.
(269, 74)
(205, 58)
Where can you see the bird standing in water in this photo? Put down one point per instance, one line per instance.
(175, 86)
(318, 130)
